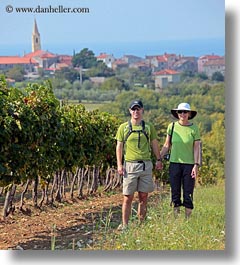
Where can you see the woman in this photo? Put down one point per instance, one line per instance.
(184, 158)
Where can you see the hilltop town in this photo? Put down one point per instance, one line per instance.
(164, 68)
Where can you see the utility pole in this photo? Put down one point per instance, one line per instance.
(80, 74)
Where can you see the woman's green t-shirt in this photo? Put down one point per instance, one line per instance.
(183, 139)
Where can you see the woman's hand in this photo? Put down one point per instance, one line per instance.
(194, 171)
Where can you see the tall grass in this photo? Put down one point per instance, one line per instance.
(204, 230)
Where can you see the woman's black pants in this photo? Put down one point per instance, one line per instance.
(181, 181)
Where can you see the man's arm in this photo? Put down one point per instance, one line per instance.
(119, 155)
(156, 151)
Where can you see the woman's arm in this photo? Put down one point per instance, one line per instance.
(196, 149)
(166, 146)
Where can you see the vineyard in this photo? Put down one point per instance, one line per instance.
(52, 149)
(57, 161)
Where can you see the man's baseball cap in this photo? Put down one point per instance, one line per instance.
(136, 103)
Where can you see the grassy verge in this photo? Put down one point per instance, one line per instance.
(205, 230)
(89, 105)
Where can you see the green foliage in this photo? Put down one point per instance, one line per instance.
(114, 84)
(85, 59)
(218, 76)
(38, 138)
(202, 76)
(29, 126)
(16, 73)
(100, 69)
(134, 76)
(213, 153)
(67, 74)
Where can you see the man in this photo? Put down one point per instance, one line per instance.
(135, 139)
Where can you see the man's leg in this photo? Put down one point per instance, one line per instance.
(142, 205)
(126, 208)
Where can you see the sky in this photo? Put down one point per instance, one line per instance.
(113, 21)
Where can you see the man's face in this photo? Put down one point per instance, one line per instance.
(136, 112)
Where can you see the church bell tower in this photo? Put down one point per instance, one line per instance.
(36, 41)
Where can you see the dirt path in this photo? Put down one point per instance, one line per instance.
(71, 224)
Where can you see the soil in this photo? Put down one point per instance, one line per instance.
(67, 225)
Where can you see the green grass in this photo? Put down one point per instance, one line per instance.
(92, 106)
(205, 230)
(88, 104)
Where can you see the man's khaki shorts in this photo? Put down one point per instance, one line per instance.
(138, 177)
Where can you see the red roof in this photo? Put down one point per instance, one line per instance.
(102, 56)
(67, 59)
(33, 54)
(219, 61)
(16, 60)
(210, 57)
(120, 61)
(161, 58)
(41, 54)
(141, 64)
(167, 72)
(169, 55)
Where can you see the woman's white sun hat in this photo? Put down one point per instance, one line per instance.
(184, 106)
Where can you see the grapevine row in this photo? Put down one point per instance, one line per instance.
(52, 146)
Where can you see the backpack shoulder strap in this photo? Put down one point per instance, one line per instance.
(129, 131)
(172, 132)
(143, 129)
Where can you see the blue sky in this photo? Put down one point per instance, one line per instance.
(115, 21)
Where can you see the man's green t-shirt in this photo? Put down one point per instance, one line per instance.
(133, 150)
(183, 139)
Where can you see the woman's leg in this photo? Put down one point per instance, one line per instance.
(175, 175)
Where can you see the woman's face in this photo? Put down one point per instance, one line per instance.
(183, 114)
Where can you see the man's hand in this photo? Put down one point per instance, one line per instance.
(159, 165)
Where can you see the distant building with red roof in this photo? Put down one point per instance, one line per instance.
(8, 62)
(65, 59)
(131, 59)
(143, 66)
(108, 59)
(119, 63)
(160, 62)
(205, 58)
(186, 64)
(215, 65)
(44, 58)
(166, 76)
